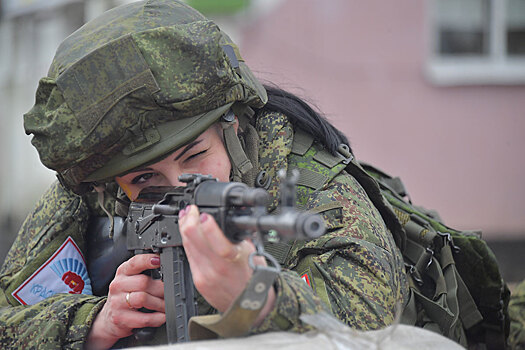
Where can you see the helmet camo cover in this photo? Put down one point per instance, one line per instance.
(131, 86)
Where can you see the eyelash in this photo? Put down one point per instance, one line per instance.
(136, 180)
(195, 155)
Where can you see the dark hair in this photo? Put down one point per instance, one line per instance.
(303, 116)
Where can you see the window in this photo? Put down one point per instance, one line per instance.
(515, 30)
(14, 8)
(476, 42)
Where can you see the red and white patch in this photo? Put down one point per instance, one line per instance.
(64, 272)
(306, 279)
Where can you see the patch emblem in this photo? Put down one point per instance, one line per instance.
(306, 279)
(64, 272)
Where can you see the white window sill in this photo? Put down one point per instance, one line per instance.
(472, 71)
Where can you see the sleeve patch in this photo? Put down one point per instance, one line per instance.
(306, 279)
(64, 272)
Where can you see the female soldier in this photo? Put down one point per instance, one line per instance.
(137, 97)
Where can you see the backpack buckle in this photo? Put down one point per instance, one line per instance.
(344, 152)
(431, 258)
(414, 273)
(447, 239)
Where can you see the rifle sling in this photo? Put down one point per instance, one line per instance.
(239, 318)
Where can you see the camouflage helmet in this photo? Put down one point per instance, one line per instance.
(132, 85)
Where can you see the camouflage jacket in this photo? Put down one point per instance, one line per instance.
(354, 270)
(517, 317)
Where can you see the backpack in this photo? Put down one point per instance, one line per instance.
(456, 288)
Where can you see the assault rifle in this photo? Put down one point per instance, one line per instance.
(240, 211)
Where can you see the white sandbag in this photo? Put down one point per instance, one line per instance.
(331, 334)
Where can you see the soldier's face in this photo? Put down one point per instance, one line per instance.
(206, 155)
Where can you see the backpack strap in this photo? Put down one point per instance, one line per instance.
(453, 275)
(373, 191)
(330, 166)
(302, 145)
(327, 165)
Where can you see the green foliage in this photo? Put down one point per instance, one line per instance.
(211, 7)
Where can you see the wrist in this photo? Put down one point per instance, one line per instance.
(268, 306)
(98, 337)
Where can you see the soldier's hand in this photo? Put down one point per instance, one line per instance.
(129, 291)
(219, 268)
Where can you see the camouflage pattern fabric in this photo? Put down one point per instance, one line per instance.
(517, 317)
(355, 268)
(62, 320)
(362, 278)
(118, 77)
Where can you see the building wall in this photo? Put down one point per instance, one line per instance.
(458, 149)
(361, 62)
(30, 32)
(28, 40)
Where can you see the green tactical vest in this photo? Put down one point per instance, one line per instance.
(456, 288)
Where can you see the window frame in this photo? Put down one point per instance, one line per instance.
(495, 68)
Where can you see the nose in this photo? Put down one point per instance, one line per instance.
(173, 179)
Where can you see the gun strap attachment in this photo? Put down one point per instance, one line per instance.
(239, 318)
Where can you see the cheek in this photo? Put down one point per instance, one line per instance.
(218, 166)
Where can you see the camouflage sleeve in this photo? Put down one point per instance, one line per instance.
(517, 317)
(294, 298)
(355, 268)
(32, 315)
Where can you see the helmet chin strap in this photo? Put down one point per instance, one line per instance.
(240, 163)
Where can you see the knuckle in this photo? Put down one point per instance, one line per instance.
(205, 281)
(189, 229)
(120, 269)
(116, 318)
(148, 321)
(127, 265)
(115, 286)
(133, 262)
(199, 281)
(226, 253)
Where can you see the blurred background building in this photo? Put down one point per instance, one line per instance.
(432, 91)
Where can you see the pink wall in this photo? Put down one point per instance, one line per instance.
(458, 149)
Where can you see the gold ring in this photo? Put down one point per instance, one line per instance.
(127, 301)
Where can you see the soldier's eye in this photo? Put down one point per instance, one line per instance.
(142, 178)
(193, 156)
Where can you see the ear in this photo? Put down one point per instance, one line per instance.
(236, 125)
